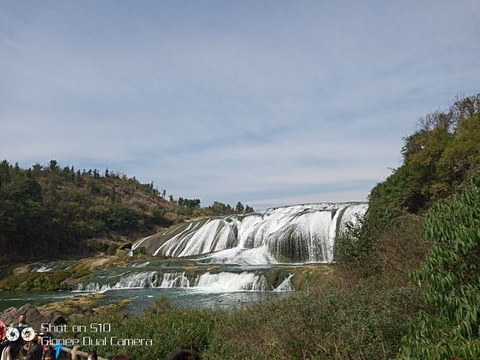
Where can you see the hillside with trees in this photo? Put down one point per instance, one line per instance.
(50, 211)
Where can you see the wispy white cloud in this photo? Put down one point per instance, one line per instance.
(271, 102)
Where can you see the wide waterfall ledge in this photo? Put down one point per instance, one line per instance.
(291, 234)
(209, 282)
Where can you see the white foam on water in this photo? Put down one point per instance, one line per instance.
(43, 268)
(141, 265)
(241, 256)
(285, 285)
(174, 280)
(228, 282)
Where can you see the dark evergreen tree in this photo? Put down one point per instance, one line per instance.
(239, 207)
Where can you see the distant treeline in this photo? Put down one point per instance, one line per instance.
(50, 211)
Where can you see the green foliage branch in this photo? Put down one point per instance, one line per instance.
(450, 278)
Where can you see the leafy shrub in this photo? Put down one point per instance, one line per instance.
(450, 278)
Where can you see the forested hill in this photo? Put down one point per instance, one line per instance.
(51, 211)
(438, 159)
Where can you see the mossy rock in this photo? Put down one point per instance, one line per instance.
(73, 305)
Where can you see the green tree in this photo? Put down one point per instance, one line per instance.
(248, 209)
(4, 172)
(53, 166)
(239, 207)
(461, 157)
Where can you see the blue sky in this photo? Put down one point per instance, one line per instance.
(265, 102)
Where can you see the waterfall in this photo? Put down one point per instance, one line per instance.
(92, 287)
(237, 253)
(218, 282)
(137, 280)
(300, 233)
(286, 284)
(225, 281)
(171, 280)
(131, 281)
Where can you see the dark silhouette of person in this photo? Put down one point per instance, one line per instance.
(92, 355)
(35, 350)
(22, 323)
(3, 341)
(185, 355)
(15, 348)
(49, 354)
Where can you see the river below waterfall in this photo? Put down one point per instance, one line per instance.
(143, 298)
(19, 298)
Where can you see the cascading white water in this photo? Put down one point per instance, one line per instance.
(285, 285)
(131, 281)
(43, 268)
(92, 287)
(137, 280)
(301, 233)
(171, 280)
(223, 281)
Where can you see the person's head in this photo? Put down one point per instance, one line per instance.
(49, 354)
(92, 355)
(185, 355)
(122, 357)
(22, 319)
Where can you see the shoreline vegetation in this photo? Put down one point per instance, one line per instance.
(406, 283)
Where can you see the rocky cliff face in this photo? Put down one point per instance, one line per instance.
(34, 317)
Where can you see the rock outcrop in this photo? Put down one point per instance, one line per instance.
(34, 317)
